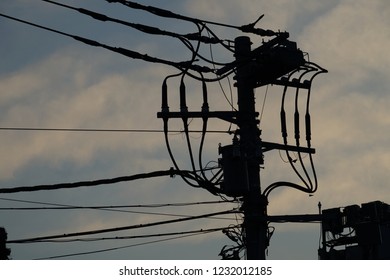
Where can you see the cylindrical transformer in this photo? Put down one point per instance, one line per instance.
(235, 175)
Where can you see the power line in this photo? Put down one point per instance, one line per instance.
(104, 130)
(121, 247)
(140, 27)
(117, 208)
(172, 172)
(183, 65)
(155, 205)
(134, 236)
(99, 231)
(249, 28)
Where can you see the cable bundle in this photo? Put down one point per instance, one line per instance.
(310, 182)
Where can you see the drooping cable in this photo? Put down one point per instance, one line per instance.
(172, 172)
(248, 28)
(140, 27)
(121, 247)
(58, 206)
(184, 111)
(279, 184)
(184, 65)
(297, 127)
(308, 122)
(165, 108)
(205, 110)
(284, 128)
(310, 187)
(130, 227)
(9, 128)
(128, 237)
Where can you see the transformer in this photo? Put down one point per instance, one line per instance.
(235, 175)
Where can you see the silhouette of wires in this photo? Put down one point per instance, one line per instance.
(123, 228)
(126, 246)
(58, 129)
(306, 178)
(128, 237)
(116, 208)
(58, 206)
(249, 28)
(198, 37)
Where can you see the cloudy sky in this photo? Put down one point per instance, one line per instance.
(51, 81)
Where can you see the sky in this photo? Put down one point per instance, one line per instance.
(52, 81)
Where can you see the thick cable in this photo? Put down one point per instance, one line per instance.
(166, 130)
(205, 110)
(9, 128)
(248, 28)
(125, 52)
(284, 129)
(172, 172)
(297, 129)
(308, 123)
(140, 27)
(129, 236)
(121, 247)
(106, 230)
(58, 206)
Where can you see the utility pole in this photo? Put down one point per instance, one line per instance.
(4, 251)
(254, 204)
(274, 62)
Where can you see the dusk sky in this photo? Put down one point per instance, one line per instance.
(51, 81)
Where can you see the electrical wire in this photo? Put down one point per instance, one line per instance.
(117, 208)
(126, 52)
(220, 84)
(297, 129)
(128, 237)
(171, 173)
(249, 28)
(263, 106)
(140, 27)
(284, 128)
(120, 247)
(205, 110)
(130, 227)
(309, 187)
(106, 130)
(58, 206)
(308, 122)
(185, 38)
(164, 107)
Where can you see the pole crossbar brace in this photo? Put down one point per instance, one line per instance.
(229, 116)
(268, 146)
(303, 218)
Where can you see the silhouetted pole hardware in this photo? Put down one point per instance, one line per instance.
(356, 232)
(241, 161)
(277, 61)
(4, 251)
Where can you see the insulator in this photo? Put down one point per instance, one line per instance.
(308, 127)
(164, 101)
(296, 125)
(183, 103)
(283, 123)
(205, 106)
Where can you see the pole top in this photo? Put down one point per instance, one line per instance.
(242, 45)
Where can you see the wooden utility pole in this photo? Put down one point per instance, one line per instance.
(254, 204)
(4, 251)
(241, 161)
